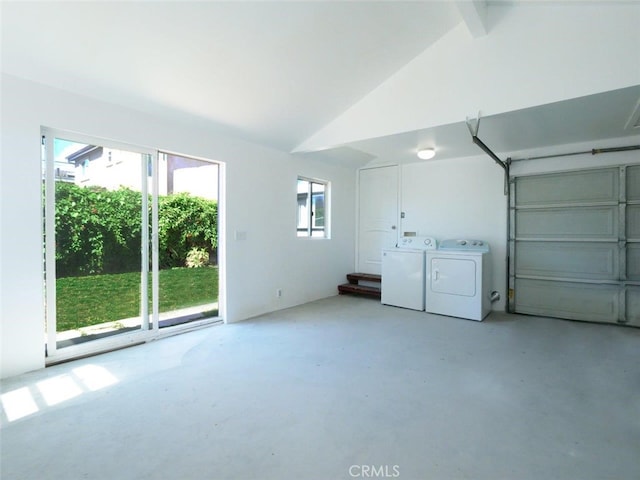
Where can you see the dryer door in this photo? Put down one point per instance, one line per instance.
(454, 276)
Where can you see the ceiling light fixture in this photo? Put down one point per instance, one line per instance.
(426, 153)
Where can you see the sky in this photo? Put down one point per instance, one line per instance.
(62, 148)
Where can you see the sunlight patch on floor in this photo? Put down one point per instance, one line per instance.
(26, 401)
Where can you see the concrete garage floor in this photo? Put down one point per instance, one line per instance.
(336, 389)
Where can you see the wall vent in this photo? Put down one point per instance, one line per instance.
(634, 119)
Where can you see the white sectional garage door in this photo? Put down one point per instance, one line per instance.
(575, 245)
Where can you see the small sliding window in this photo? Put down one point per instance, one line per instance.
(312, 198)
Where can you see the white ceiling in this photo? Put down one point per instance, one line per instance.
(275, 72)
(586, 119)
(272, 72)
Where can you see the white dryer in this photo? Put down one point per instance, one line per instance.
(403, 272)
(459, 279)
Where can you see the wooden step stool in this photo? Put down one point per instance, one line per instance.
(354, 287)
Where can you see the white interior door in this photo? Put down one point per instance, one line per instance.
(377, 215)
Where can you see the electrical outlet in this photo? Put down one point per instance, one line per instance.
(279, 293)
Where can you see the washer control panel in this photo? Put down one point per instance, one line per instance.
(418, 243)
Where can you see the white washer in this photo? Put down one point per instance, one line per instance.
(459, 279)
(403, 272)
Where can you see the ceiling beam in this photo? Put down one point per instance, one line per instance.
(474, 14)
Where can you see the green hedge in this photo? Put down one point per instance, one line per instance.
(99, 231)
(185, 222)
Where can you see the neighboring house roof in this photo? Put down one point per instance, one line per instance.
(89, 152)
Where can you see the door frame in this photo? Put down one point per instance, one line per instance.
(149, 329)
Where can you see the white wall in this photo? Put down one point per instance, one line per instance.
(461, 198)
(260, 201)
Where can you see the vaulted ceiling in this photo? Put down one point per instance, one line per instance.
(305, 76)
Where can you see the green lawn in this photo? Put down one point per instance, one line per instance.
(84, 301)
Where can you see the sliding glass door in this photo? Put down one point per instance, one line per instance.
(130, 243)
(97, 228)
(188, 239)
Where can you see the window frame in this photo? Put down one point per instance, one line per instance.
(308, 229)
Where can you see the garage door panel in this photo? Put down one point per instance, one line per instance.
(633, 222)
(633, 306)
(560, 223)
(633, 261)
(575, 301)
(633, 183)
(568, 188)
(569, 260)
(575, 245)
